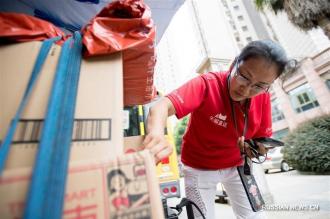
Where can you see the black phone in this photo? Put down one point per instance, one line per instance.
(269, 142)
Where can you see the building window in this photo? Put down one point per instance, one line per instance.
(224, 3)
(277, 113)
(240, 18)
(327, 82)
(249, 39)
(303, 98)
(280, 134)
(236, 7)
(244, 28)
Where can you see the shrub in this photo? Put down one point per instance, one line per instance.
(179, 130)
(308, 146)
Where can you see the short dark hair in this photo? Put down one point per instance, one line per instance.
(268, 50)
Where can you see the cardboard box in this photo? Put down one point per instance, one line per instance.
(167, 169)
(97, 134)
(133, 144)
(124, 188)
(97, 139)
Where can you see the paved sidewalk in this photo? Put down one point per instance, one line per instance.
(299, 196)
(296, 196)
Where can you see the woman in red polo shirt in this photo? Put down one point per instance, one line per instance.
(225, 108)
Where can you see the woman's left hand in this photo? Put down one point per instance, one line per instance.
(245, 148)
(262, 149)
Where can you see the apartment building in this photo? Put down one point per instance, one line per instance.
(207, 35)
(303, 95)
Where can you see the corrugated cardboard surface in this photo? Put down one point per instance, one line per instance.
(133, 143)
(97, 139)
(97, 134)
(16, 61)
(88, 192)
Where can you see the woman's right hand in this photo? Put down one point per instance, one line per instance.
(244, 147)
(158, 146)
(155, 141)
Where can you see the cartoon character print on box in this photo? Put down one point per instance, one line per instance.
(128, 190)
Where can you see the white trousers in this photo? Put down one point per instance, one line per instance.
(200, 187)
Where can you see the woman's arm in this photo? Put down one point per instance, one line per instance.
(155, 139)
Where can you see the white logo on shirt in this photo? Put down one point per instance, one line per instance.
(219, 119)
(269, 130)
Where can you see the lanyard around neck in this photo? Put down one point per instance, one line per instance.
(233, 114)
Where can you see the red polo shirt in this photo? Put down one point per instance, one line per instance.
(210, 141)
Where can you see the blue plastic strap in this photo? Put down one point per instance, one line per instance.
(46, 192)
(40, 176)
(4, 148)
(56, 187)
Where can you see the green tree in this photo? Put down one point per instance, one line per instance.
(179, 130)
(305, 14)
(308, 146)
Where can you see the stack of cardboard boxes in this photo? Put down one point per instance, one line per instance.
(102, 181)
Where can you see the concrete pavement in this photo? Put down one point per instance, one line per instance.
(296, 196)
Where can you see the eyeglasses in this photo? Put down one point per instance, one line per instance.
(245, 81)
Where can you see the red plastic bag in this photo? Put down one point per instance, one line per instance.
(126, 25)
(21, 28)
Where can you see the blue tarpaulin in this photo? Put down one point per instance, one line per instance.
(72, 15)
